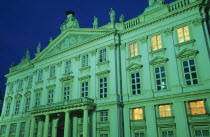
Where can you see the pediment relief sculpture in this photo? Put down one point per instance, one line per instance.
(186, 53)
(134, 66)
(158, 60)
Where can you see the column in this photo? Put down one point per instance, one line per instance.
(85, 123)
(54, 127)
(151, 121)
(46, 125)
(17, 133)
(67, 124)
(127, 123)
(40, 128)
(32, 126)
(182, 128)
(75, 127)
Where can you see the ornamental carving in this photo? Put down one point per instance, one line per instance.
(144, 39)
(186, 53)
(197, 22)
(158, 60)
(168, 31)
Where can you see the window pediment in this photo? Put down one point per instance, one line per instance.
(9, 99)
(158, 60)
(134, 66)
(84, 77)
(103, 73)
(28, 94)
(18, 96)
(186, 53)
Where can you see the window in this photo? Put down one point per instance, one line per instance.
(66, 93)
(3, 129)
(183, 34)
(20, 84)
(202, 133)
(137, 114)
(27, 106)
(197, 107)
(85, 89)
(40, 75)
(156, 42)
(139, 134)
(103, 115)
(22, 129)
(168, 133)
(84, 61)
(135, 83)
(37, 100)
(8, 108)
(190, 73)
(17, 107)
(67, 66)
(164, 110)
(50, 96)
(160, 76)
(52, 71)
(30, 80)
(103, 87)
(13, 128)
(133, 49)
(103, 135)
(11, 87)
(102, 55)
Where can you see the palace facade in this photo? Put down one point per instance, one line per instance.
(145, 77)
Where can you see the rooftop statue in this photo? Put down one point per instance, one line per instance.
(160, 1)
(50, 40)
(95, 22)
(112, 15)
(71, 21)
(27, 55)
(151, 2)
(122, 18)
(38, 49)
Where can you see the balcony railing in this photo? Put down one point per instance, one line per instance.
(178, 4)
(131, 23)
(62, 104)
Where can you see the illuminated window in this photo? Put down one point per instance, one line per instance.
(135, 83)
(168, 133)
(52, 71)
(183, 34)
(67, 66)
(17, 107)
(37, 99)
(84, 89)
(84, 61)
(103, 115)
(156, 42)
(139, 134)
(133, 49)
(202, 133)
(137, 114)
(39, 75)
(102, 55)
(190, 73)
(30, 80)
(160, 76)
(8, 108)
(50, 96)
(66, 93)
(20, 84)
(197, 107)
(103, 87)
(164, 110)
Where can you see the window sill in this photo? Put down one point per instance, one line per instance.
(84, 68)
(189, 86)
(134, 57)
(102, 63)
(158, 51)
(185, 43)
(166, 118)
(140, 120)
(163, 90)
(67, 73)
(52, 78)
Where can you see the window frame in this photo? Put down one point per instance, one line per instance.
(17, 106)
(131, 84)
(189, 108)
(155, 79)
(171, 110)
(30, 81)
(50, 96)
(67, 69)
(107, 87)
(40, 75)
(37, 99)
(20, 84)
(66, 97)
(133, 51)
(142, 115)
(151, 42)
(85, 60)
(101, 56)
(52, 71)
(83, 93)
(103, 118)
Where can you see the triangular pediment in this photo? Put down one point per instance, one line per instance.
(70, 39)
(158, 60)
(186, 53)
(134, 66)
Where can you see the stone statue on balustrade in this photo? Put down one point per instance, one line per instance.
(95, 22)
(122, 18)
(38, 49)
(112, 15)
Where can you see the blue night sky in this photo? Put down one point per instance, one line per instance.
(24, 23)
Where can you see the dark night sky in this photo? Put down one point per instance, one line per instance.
(24, 23)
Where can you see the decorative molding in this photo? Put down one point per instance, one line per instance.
(66, 77)
(40, 82)
(144, 39)
(93, 52)
(123, 45)
(46, 68)
(103, 73)
(158, 50)
(186, 53)
(51, 86)
(28, 94)
(84, 77)
(38, 89)
(134, 66)
(59, 64)
(85, 68)
(158, 60)
(76, 58)
(185, 43)
(9, 99)
(52, 78)
(18, 97)
(102, 63)
(168, 31)
(197, 22)
(112, 46)
(134, 57)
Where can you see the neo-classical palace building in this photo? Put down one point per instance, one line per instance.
(145, 77)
